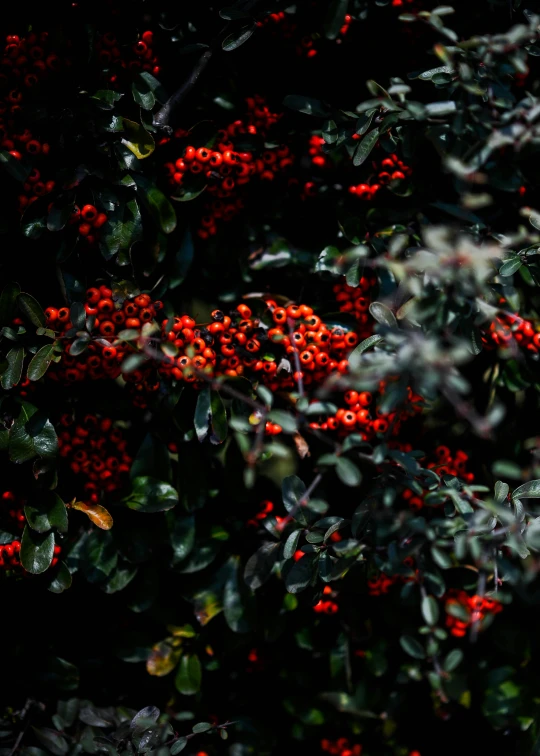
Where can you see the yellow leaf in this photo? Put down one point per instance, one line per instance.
(96, 513)
(163, 659)
(137, 139)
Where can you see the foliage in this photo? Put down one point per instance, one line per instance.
(269, 357)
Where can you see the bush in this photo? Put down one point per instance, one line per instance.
(269, 367)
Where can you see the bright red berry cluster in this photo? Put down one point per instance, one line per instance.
(96, 451)
(117, 59)
(357, 417)
(99, 358)
(341, 747)
(390, 168)
(509, 328)
(327, 605)
(463, 610)
(89, 221)
(225, 170)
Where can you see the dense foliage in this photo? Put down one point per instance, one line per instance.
(269, 367)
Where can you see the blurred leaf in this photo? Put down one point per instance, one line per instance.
(189, 675)
(238, 38)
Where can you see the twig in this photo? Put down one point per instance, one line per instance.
(162, 117)
(22, 715)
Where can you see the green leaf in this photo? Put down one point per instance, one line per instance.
(238, 38)
(182, 261)
(16, 168)
(151, 495)
(188, 677)
(333, 22)
(501, 492)
(354, 357)
(219, 422)
(178, 746)
(301, 573)
(158, 205)
(61, 581)
(348, 472)
(37, 550)
(122, 229)
(284, 419)
(31, 309)
(412, 647)
(510, 266)
(201, 727)
(383, 314)
(293, 490)
(142, 93)
(49, 513)
(430, 610)
(138, 140)
(27, 441)
(236, 599)
(530, 490)
(259, 566)
(12, 374)
(291, 544)
(53, 741)
(203, 412)
(364, 148)
(39, 364)
(181, 534)
(453, 659)
(8, 301)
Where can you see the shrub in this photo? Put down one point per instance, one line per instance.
(269, 368)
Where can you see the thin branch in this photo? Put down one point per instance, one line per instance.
(162, 117)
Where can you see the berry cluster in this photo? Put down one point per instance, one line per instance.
(341, 747)
(463, 610)
(96, 451)
(445, 464)
(26, 61)
(381, 583)
(391, 168)
(99, 358)
(356, 300)
(356, 416)
(89, 221)
(116, 59)
(327, 606)
(12, 519)
(225, 170)
(318, 157)
(508, 328)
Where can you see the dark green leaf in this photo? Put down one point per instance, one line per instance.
(203, 411)
(383, 314)
(142, 94)
(158, 205)
(36, 551)
(430, 610)
(530, 490)
(53, 741)
(31, 310)
(412, 647)
(48, 513)
(39, 364)
(259, 567)
(188, 677)
(364, 148)
(348, 472)
(12, 374)
(61, 580)
(238, 37)
(16, 168)
(301, 573)
(151, 495)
